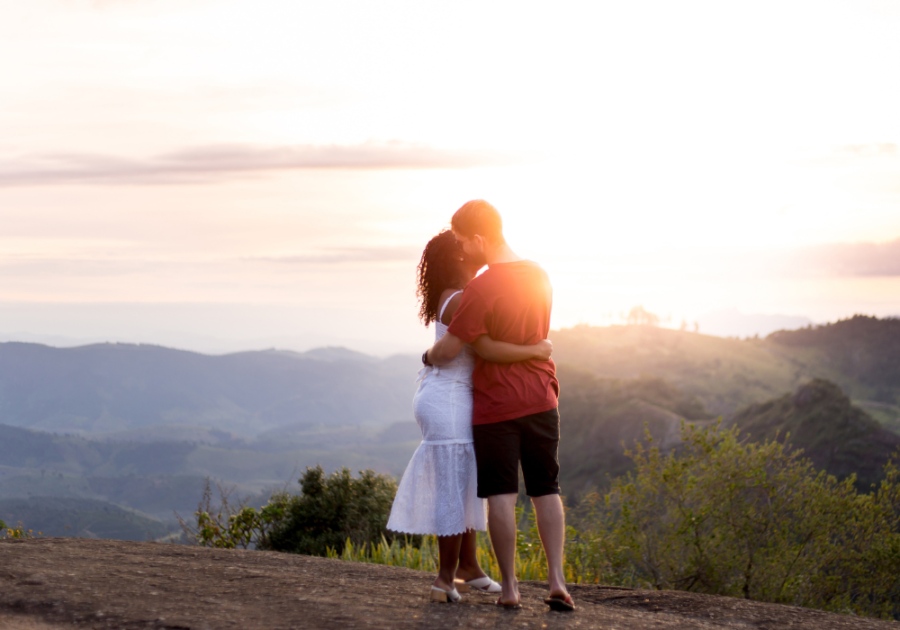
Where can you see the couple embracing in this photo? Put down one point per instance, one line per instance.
(487, 400)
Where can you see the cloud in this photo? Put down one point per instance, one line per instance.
(850, 259)
(870, 169)
(215, 163)
(345, 255)
(868, 150)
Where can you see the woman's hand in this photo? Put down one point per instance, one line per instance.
(543, 349)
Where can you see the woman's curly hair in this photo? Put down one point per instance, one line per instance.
(439, 270)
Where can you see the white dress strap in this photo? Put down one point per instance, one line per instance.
(444, 307)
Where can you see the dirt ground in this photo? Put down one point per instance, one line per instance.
(65, 583)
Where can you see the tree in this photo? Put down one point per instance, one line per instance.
(640, 317)
(334, 509)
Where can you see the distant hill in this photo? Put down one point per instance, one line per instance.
(114, 387)
(861, 355)
(725, 374)
(838, 437)
(23, 448)
(117, 388)
(156, 496)
(601, 417)
(81, 518)
(866, 349)
(159, 477)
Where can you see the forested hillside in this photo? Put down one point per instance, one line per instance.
(84, 518)
(601, 417)
(861, 355)
(835, 435)
(866, 349)
(114, 387)
(619, 381)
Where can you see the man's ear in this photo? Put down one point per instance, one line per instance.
(479, 241)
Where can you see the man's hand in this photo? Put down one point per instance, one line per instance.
(543, 348)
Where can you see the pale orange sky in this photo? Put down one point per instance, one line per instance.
(268, 171)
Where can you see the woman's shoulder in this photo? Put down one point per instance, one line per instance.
(450, 300)
(448, 292)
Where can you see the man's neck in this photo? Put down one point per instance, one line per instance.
(501, 254)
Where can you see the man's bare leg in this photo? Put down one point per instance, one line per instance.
(448, 549)
(502, 526)
(468, 568)
(551, 522)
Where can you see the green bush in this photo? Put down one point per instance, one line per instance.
(332, 510)
(226, 525)
(752, 520)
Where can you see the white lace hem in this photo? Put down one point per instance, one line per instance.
(438, 493)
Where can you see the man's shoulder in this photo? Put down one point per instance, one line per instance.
(506, 275)
(522, 270)
(482, 281)
(535, 268)
(519, 266)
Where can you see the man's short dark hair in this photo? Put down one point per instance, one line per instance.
(478, 217)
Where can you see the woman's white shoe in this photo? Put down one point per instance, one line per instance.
(484, 584)
(440, 595)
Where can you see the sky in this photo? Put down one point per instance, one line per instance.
(221, 175)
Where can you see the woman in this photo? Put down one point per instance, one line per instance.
(438, 491)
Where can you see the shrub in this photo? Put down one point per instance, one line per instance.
(751, 520)
(227, 526)
(332, 510)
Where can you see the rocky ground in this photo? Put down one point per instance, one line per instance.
(65, 583)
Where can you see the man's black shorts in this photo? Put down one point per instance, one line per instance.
(500, 446)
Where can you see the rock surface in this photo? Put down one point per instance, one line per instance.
(64, 583)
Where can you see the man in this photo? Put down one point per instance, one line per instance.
(515, 416)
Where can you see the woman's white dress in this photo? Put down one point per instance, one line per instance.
(438, 491)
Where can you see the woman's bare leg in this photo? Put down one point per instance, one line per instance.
(468, 568)
(448, 548)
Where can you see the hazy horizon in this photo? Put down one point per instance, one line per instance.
(90, 329)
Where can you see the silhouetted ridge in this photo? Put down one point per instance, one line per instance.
(835, 435)
(866, 348)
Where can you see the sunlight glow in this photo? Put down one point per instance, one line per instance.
(644, 153)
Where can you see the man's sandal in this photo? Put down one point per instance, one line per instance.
(440, 595)
(482, 584)
(560, 603)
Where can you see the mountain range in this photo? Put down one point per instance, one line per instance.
(119, 387)
(140, 427)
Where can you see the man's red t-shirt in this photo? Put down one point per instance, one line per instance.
(510, 302)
